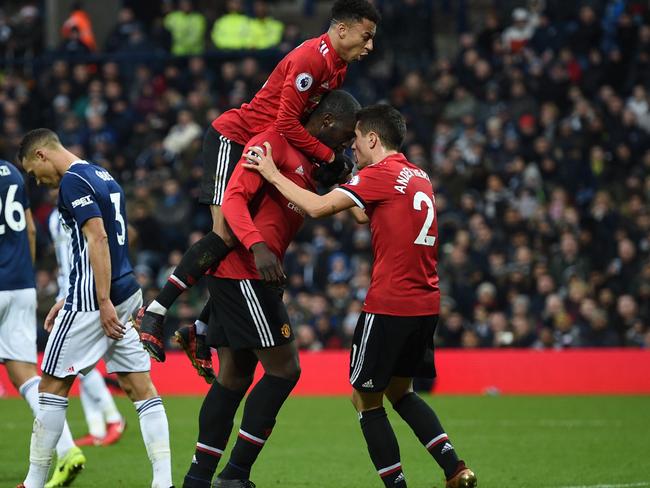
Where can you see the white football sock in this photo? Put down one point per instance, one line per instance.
(29, 391)
(155, 307)
(201, 327)
(155, 433)
(101, 394)
(48, 426)
(90, 404)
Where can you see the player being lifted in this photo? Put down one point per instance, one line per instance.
(91, 322)
(248, 320)
(18, 311)
(291, 92)
(400, 312)
(105, 424)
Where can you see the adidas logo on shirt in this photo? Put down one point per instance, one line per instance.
(446, 447)
(399, 479)
(300, 170)
(368, 384)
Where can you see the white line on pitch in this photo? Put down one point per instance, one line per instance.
(618, 485)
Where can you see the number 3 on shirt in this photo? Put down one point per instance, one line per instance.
(121, 236)
(423, 238)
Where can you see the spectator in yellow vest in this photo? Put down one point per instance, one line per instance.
(187, 27)
(232, 30)
(266, 32)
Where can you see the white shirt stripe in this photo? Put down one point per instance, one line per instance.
(352, 196)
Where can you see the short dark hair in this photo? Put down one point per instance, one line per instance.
(340, 104)
(33, 140)
(386, 121)
(354, 10)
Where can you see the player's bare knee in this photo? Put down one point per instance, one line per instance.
(19, 372)
(293, 371)
(235, 382)
(137, 386)
(221, 228)
(55, 386)
(394, 395)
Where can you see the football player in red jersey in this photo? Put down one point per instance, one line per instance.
(248, 320)
(289, 95)
(400, 313)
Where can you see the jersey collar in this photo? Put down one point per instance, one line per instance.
(78, 161)
(398, 157)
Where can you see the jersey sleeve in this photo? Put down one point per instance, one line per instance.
(304, 76)
(79, 197)
(241, 189)
(366, 188)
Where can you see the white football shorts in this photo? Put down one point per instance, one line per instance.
(78, 342)
(18, 325)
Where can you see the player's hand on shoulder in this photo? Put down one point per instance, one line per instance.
(51, 315)
(260, 159)
(110, 323)
(336, 172)
(267, 264)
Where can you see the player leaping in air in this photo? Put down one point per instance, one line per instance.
(400, 312)
(290, 94)
(248, 320)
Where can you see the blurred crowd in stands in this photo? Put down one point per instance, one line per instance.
(536, 133)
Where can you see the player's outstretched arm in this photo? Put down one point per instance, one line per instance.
(316, 206)
(359, 215)
(100, 262)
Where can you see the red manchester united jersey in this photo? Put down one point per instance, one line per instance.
(257, 212)
(291, 93)
(398, 198)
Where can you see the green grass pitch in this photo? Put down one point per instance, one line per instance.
(539, 442)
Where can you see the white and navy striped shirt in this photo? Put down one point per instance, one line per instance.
(88, 191)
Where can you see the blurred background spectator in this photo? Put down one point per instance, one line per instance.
(532, 119)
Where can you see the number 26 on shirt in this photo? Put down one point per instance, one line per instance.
(423, 238)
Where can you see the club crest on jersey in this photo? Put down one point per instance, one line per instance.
(82, 202)
(285, 331)
(353, 181)
(4, 170)
(304, 82)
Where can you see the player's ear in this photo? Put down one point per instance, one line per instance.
(328, 120)
(40, 154)
(342, 29)
(372, 140)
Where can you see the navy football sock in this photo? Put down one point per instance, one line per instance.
(201, 256)
(262, 406)
(426, 426)
(383, 447)
(215, 424)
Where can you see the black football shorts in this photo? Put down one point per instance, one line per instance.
(386, 345)
(246, 314)
(220, 155)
